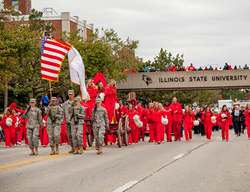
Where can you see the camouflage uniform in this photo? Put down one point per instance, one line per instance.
(54, 124)
(34, 119)
(66, 106)
(76, 122)
(100, 118)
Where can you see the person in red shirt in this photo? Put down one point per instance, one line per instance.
(206, 119)
(151, 131)
(91, 89)
(177, 119)
(247, 119)
(133, 70)
(206, 69)
(43, 134)
(230, 68)
(155, 116)
(110, 99)
(191, 67)
(164, 115)
(126, 71)
(101, 92)
(188, 117)
(133, 137)
(169, 126)
(8, 122)
(173, 68)
(121, 112)
(216, 69)
(224, 118)
(144, 119)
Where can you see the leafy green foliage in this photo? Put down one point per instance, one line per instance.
(235, 93)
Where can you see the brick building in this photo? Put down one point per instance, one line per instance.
(62, 22)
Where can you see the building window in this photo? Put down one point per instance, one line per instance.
(15, 2)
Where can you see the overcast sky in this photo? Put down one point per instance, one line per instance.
(207, 32)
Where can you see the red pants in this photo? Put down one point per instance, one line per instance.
(151, 133)
(248, 128)
(162, 132)
(188, 130)
(84, 136)
(134, 133)
(44, 137)
(23, 133)
(110, 107)
(157, 127)
(177, 130)
(224, 130)
(141, 132)
(9, 134)
(208, 130)
(168, 129)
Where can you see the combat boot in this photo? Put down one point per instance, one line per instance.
(72, 149)
(81, 150)
(52, 151)
(36, 151)
(75, 151)
(57, 149)
(32, 152)
(99, 150)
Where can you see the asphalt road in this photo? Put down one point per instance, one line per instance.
(198, 165)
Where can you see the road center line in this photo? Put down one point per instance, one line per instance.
(126, 186)
(178, 156)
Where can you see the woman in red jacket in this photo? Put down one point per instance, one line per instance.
(91, 89)
(110, 99)
(206, 119)
(43, 134)
(168, 127)
(223, 117)
(101, 91)
(9, 127)
(188, 123)
(133, 137)
(155, 116)
(247, 119)
(164, 114)
(23, 131)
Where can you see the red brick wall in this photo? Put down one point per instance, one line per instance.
(72, 26)
(58, 25)
(22, 5)
(8, 3)
(88, 33)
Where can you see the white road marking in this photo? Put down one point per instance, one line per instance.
(126, 186)
(178, 156)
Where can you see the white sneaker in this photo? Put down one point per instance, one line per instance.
(7, 147)
(163, 141)
(14, 145)
(19, 143)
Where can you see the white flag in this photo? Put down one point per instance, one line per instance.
(77, 71)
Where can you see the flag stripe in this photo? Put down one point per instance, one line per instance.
(54, 52)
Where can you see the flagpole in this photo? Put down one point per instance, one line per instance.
(50, 94)
(73, 97)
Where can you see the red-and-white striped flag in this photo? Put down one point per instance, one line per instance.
(53, 53)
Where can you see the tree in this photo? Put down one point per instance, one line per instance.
(236, 93)
(165, 60)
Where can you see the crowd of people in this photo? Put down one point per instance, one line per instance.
(59, 123)
(190, 68)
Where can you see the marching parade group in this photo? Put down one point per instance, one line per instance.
(58, 124)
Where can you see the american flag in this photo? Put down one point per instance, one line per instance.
(53, 53)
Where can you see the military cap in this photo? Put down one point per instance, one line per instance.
(32, 100)
(77, 98)
(70, 92)
(98, 100)
(53, 98)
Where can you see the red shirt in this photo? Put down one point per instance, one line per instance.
(169, 112)
(110, 94)
(206, 119)
(156, 116)
(88, 113)
(173, 69)
(92, 92)
(222, 119)
(131, 114)
(191, 68)
(247, 115)
(176, 107)
(13, 121)
(188, 118)
(121, 112)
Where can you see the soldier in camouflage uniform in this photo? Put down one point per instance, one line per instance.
(77, 120)
(34, 117)
(67, 116)
(100, 118)
(54, 125)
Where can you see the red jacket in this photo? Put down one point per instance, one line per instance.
(144, 115)
(247, 115)
(173, 69)
(13, 122)
(110, 94)
(156, 116)
(131, 114)
(88, 112)
(177, 117)
(121, 112)
(169, 113)
(92, 93)
(188, 119)
(206, 119)
(191, 68)
(223, 120)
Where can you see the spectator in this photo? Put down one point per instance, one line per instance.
(141, 70)
(216, 69)
(200, 69)
(146, 69)
(220, 69)
(152, 69)
(226, 67)
(181, 68)
(184, 68)
(191, 67)
(126, 71)
(246, 67)
(211, 68)
(206, 69)
(240, 68)
(230, 68)
(165, 70)
(173, 68)
(45, 100)
(235, 67)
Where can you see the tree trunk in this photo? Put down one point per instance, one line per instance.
(64, 96)
(6, 94)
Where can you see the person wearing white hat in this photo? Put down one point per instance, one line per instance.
(54, 125)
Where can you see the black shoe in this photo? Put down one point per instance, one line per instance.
(170, 140)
